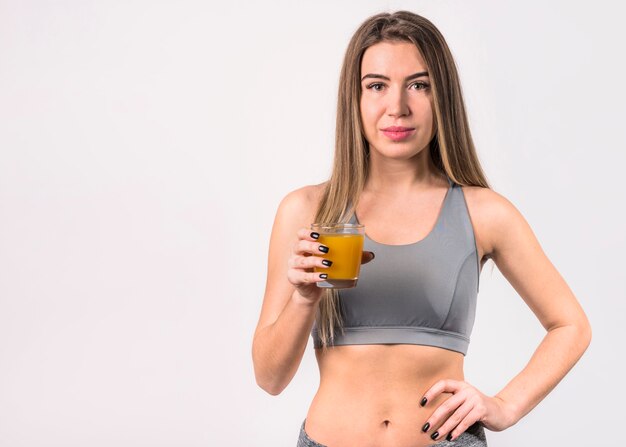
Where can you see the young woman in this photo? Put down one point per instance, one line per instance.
(391, 350)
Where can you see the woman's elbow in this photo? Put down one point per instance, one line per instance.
(586, 333)
(582, 334)
(271, 388)
(265, 379)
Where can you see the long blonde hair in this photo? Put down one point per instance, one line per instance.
(451, 149)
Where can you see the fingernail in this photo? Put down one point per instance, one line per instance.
(434, 435)
(327, 263)
(423, 402)
(323, 248)
(426, 427)
(373, 255)
(449, 437)
(323, 276)
(315, 235)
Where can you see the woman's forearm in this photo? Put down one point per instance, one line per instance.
(277, 349)
(554, 357)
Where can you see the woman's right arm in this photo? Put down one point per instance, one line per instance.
(291, 296)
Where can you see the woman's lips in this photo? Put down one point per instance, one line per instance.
(396, 133)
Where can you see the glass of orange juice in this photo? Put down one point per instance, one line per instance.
(345, 244)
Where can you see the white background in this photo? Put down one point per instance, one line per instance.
(145, 146)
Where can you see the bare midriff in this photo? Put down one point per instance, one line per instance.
(369, 395)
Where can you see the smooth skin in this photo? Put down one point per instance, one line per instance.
(399, 205)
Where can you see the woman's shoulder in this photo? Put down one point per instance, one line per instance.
(485, 199)
(491, 214)
(301, 204)
(488, 204)
(304, 197)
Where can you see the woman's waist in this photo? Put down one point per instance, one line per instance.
(379, 393)
(402, 431)
(372, 394)
(390, 367)
(371, 419)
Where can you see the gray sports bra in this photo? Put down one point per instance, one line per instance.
(422, 293)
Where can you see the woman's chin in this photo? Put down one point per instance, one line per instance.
(398, 152)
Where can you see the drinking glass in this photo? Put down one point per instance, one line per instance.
(345, 248)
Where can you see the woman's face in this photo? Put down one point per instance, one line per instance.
(396, 102)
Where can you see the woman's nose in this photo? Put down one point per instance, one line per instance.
(397, 105)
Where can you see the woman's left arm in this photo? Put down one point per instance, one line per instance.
(511, 243)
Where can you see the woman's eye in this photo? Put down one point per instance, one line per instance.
(422, 85)
(377, 86)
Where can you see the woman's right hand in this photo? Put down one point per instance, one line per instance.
(301, 263)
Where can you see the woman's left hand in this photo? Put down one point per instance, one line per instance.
(466, 406)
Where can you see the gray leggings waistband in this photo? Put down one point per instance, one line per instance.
(474, 436)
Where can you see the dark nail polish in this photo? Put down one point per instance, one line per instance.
(315, 235)
(327, 263)
(449, 437)
(373, 254)
(323, 276)
(426, 427)
(323, 248)
(434, 435)
(423, 402)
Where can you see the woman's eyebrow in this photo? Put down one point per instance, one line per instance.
(408, 78)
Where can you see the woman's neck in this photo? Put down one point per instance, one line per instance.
(396, 177)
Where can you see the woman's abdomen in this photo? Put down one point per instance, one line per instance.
(369, 395)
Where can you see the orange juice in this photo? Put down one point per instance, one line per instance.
(345, 252)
